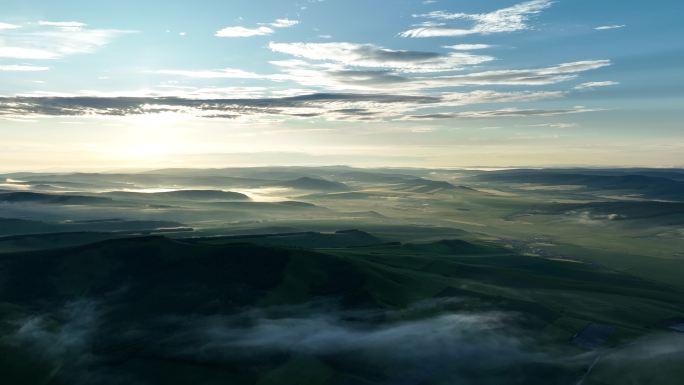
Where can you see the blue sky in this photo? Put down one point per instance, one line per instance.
(369, 83)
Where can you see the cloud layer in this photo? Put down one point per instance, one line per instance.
(260, 30)
(371, 56)
(591, 85)
(374, 79)
(509, 19)
(22, 68)
(424, 342)
(612, 26)
(47, 40)
(332, 80)
(8, 26)
(368, 107)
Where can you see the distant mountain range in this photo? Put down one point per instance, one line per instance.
(648, 185)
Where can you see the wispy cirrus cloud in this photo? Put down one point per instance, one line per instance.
(376, 80)
(67, 25)
(47, 40)
(243, 31)
(164, 91)
(218, 103)
(284, 23)
(509, 19)
(372, 69)
(259, 30)
(537, 76)
(329, 106)
(452, 99)
(555, 125)
(468, 47)
(612, 26)
(372, 56)
(27, 53)
(341, 80)
(590, 85)
(506, 112)
(8, 26)
(225, 73)
(22, 68)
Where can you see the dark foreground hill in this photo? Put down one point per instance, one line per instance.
(152, 310)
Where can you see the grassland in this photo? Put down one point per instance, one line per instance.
(342, 276)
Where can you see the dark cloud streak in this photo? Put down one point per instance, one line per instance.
(211, 108)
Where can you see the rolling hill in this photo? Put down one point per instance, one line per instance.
(307, 183)
(192, 195)
(57, 199)
(157, 310)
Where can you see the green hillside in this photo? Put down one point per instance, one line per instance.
(138, 308)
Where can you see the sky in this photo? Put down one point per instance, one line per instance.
(371, 83)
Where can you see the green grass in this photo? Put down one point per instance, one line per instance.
(553, 260)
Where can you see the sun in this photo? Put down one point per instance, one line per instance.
(151, 137)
